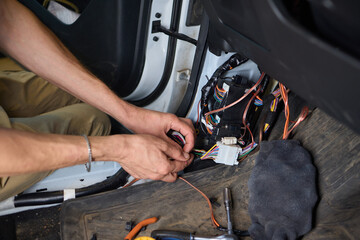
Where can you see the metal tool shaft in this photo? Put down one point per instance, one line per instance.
(227, 202)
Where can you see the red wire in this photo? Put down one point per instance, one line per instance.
(240, 99)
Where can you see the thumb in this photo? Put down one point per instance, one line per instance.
(175, 152)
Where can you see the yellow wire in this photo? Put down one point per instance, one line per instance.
(70, 4)
(45, 2)
(273, 105)
(208, 151)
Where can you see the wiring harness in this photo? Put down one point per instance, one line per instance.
(217, 96)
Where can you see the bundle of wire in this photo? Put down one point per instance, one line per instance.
(210, 121)
(258, 101)
(211, 90)
(273, 107)
(302, 116)
(178, 138)
(211, 153)
(246, 150)
(219, 94)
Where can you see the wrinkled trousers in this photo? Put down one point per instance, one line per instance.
(29, 103)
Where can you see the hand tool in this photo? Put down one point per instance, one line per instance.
(227, 203)
(167, 234)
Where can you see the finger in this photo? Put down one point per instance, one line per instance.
(189, 122)
(187, 131)
(177, 166)
(190, 146)
(171, 177)
(171, 141)
(175, 152)
(188, 162)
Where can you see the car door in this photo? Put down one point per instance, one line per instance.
(116, 41)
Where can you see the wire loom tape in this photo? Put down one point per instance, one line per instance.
(69, 194)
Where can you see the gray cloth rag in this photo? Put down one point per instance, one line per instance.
(282, 191)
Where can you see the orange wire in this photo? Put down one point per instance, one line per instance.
(220, 90)
(244, 116)
(208, 201)
(284, 95)
(131, 235)
(131, 183)
(302, 116)
(209, 131)
(207, 122)
(240, 99)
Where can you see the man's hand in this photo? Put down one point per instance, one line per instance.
(145, 121)
(143, 156)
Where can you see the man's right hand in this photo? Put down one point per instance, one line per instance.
(142, 156)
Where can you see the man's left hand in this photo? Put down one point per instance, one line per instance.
(159, 124)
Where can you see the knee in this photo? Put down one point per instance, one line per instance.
(96, 122)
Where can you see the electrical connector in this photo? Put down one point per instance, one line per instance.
(228, 154)
(229, 140)
(226, 87)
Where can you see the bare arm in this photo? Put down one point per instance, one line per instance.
(26, 152)
(27, 40)
(31, 43)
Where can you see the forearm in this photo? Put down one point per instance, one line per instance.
(24, 152)
(26, 39)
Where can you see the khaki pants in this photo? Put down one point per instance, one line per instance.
(30, 103)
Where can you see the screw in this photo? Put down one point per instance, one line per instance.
(158, 15)
(155, 38)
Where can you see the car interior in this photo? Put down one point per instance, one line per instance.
(248, 74)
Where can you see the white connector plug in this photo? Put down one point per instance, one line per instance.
(229, 140)
(228, 154)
